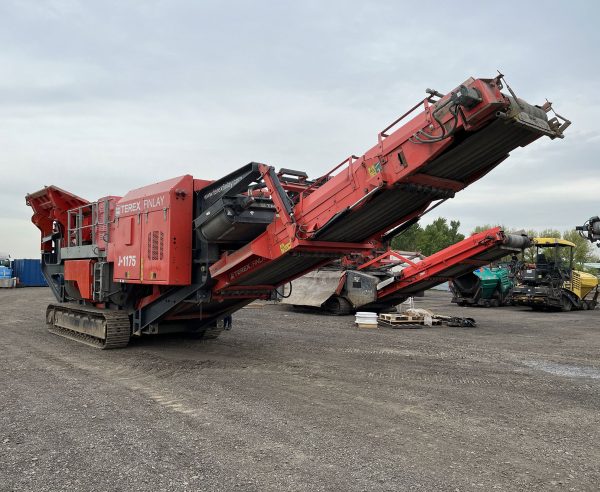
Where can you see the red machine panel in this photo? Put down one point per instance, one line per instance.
(152, 240)
(125, 248)
(81, 273)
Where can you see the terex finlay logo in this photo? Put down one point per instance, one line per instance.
(140, 205)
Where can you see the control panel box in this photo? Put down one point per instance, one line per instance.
(151, 240)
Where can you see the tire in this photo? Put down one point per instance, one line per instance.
(566, 304)
(497, 299)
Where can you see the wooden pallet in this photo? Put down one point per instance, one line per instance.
(401, 320)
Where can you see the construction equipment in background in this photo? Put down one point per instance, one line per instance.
(552, 283)
(390, 278)
(590, 230)
(7, 279)
(5, 260)
(183, 254)
(488, 286)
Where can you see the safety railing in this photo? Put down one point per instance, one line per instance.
(88, 224)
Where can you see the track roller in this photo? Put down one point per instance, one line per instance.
(337, 305)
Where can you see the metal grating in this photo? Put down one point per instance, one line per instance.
(156, 245)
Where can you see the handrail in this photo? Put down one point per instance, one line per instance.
(425, 102)
(76, 216)
(322, 178)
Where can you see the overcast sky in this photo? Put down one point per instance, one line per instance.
(102, 97)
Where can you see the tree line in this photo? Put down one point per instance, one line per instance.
(442, 233)
(429, 239)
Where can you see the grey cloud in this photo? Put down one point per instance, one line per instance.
(102, 97)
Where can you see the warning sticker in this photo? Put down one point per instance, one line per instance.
(284, 247)
(374, 169)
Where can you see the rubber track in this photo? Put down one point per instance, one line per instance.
(118, 327)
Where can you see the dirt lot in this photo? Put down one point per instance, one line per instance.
(298, 401)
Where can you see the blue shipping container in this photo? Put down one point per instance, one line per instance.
(29, 273)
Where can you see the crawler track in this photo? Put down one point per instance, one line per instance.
(103, 329)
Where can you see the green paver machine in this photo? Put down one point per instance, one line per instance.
(489, 286)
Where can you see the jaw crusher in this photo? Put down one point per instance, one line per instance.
(183, 254)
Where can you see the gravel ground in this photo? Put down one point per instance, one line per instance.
(298, 401)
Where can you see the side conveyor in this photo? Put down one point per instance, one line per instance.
(454, 261)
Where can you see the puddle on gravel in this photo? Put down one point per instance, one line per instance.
(565, 370)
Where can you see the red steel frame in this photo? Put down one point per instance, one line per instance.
(396, 158)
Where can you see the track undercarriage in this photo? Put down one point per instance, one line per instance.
(99, 328)
(110, 329)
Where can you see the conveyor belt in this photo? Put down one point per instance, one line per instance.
(368, 220)
(475, 154)
(471, 156)
(452, 271)
(283, 268)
